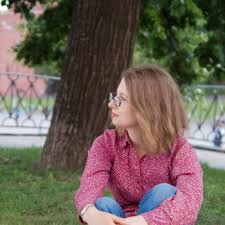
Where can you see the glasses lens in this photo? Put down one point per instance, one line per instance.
(115, 99)
(111, 96)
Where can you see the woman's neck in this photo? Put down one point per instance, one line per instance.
(135, 138)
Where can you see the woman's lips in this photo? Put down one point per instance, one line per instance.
(114, 114)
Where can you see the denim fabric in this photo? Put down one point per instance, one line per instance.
(150, 200)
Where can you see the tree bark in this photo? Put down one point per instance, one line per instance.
(100, 47)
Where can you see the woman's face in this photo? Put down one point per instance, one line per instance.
(123, 115)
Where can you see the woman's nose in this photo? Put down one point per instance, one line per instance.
(111, 105)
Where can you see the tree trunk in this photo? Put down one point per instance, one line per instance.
(100, 47)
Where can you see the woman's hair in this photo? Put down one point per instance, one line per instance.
(157, 104)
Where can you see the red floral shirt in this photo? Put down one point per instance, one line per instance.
(112, 162)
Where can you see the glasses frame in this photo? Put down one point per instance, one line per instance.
(117, 101)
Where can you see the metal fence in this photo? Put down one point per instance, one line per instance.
(26, 104)
(205, 106)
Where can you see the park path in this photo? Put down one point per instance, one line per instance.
(214, 159)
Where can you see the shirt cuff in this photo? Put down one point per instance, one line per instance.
(81, 220)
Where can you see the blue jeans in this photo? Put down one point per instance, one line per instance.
(150, 201)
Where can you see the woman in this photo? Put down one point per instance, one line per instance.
(151, 170)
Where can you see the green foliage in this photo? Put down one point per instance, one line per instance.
(185, 36)
(212, 54)
(169, 33)
(30, 196)
(46, 38)
(22, 7)
(45, 35)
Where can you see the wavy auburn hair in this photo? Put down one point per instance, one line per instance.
(158, 106)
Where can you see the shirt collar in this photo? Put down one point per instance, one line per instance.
(124, 140)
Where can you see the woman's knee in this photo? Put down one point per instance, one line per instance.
(161, 192)
(155, 196)
(165, 189)
(104, 203)
(109, 205)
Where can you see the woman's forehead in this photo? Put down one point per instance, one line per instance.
(122, 90)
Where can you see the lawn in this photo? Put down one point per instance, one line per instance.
(31, 197)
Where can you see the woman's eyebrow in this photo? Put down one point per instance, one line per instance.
(121, 93)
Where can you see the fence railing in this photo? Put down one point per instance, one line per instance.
(205, 105)
(26, 104)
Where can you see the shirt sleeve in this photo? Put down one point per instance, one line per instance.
(184, 206)
(96, 173)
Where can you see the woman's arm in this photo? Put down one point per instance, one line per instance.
(96, 173)
(136, 220)
(183, 208)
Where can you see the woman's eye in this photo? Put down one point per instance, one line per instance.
(121, 98)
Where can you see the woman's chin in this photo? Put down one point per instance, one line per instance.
(115, 123)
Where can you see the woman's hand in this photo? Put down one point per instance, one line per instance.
(136, 220)
(96, 217)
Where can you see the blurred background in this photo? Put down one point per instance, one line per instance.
(58, 61)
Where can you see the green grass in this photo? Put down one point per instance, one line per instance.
(213, 209)
(31, 197)
(26, 104)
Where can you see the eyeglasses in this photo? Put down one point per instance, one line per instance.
(117, 101)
